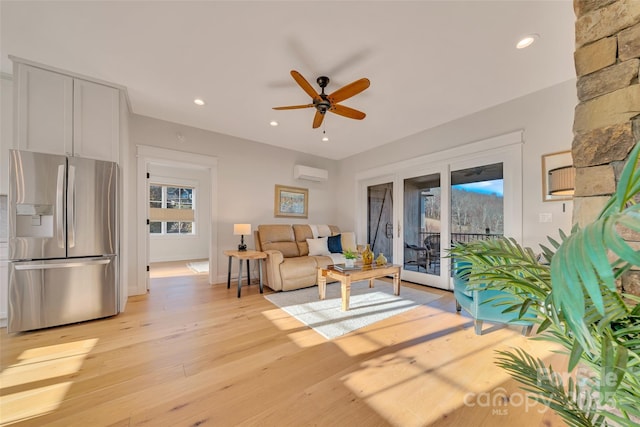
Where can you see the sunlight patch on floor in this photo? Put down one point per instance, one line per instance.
(360, 341)
(307, 338)
(300, 334)
(403, 380)
(37, 365)
(32, 403)
(281, 319)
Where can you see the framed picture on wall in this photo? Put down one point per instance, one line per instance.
(291, 202)
(558, 176)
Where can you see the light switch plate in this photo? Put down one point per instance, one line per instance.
(545, 217)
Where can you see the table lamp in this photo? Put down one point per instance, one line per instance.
(241, 230)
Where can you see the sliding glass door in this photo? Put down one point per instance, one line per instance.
(438, 204)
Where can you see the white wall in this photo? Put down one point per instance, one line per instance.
(547, 119)
(181, 247)
(247, 174)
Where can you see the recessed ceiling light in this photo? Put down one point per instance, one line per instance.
(273, 123)
(199, 102)
(527, 41)
(325, 138)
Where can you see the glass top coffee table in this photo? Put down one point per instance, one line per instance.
(354, 274)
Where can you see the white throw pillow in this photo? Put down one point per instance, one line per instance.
(323, 230)
(318, 246)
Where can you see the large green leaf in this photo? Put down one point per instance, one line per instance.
(581, 264)
(574, 404)
(628, 186)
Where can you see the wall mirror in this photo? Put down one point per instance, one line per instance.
(558, 176)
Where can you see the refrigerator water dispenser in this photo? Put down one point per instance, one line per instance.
(34, 220)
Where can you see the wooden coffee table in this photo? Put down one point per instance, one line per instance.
(361, 272)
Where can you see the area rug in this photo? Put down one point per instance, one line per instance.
(366, 306)
(199, 266)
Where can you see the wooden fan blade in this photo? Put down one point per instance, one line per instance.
(293, 107)
(304, 84)
(348, 112)
(317, 119)
(349, 90)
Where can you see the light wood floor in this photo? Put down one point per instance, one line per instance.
(191, 354)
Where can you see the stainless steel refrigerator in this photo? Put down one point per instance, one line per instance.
(63, 240)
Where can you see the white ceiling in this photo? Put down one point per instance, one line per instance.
(429, 62)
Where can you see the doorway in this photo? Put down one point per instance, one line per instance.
(148, 156)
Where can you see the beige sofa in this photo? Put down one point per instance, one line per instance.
(288, 265)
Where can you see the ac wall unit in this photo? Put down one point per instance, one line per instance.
(309, 173)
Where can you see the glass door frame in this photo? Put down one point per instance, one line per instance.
(442, 279)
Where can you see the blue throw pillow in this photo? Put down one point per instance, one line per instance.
(335, 244)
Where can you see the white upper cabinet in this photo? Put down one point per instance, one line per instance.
(61, 114)
(44, 111)
(6, 130)
(96, 117)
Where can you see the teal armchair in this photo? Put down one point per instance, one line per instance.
(484, 305)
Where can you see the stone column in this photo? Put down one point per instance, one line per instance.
(607, 118)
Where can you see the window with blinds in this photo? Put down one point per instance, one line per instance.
(171, 209)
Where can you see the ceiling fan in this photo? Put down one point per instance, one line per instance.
(323, 102)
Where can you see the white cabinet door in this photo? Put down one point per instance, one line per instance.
(44, 108)
(96, 116)
(6, 131)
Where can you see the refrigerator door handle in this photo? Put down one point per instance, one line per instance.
(71, 206)
(60, 207)
(51, 266)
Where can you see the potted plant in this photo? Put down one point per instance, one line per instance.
(577, 305)
(349, 257)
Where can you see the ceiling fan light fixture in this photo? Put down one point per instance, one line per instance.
(527, 41)
(273, 123)
(325, 138)
(199, 102)
(323, 102)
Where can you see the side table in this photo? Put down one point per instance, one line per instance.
(241, 256)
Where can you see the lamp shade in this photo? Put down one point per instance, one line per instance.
(562, 181)
(241, 229)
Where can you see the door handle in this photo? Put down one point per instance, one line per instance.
(60, 207)
(71, 206)
(61, 265)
